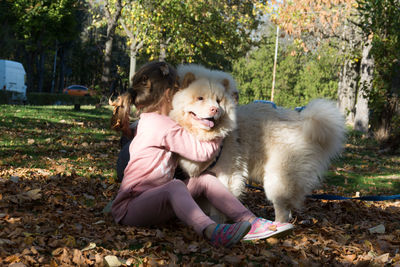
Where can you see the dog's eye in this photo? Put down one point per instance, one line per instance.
(200, 98)
(218, 100)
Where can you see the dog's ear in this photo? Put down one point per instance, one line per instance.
(225, 83)
(188, 79)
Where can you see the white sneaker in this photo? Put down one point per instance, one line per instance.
(262, 228)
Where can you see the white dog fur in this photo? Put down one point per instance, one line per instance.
(204, 107)
(286, 151)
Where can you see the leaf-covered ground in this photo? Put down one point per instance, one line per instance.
(56, 177)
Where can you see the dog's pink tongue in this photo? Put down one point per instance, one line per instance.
(207, 123)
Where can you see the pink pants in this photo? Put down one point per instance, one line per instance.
(176, 198)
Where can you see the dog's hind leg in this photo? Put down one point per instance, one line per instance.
(278, 190)
(282, 210)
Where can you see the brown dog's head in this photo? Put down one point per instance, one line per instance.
(204, 105)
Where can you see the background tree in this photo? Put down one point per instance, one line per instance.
(253, 72)
(380, 21)
(136, 23)
(318, 76)
(164, 30)
(206, 32)
(38, 27)
(112, 11)
(315, 22)
(8, 19)
(301, 75)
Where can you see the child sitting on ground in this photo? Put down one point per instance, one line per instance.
(149, 194)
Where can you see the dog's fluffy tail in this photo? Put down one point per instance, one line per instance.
(324, 124)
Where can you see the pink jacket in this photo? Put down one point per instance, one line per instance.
(153, 157)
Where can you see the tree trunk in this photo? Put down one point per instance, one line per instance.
(361, 122)
(384, 129)
(163, 49)
(29, 70)
(349, 74)
(136, 45)
(163, 52)
(53, 79)
(388, 129)
(112, 21)
(347, 89)
(132, 66)
(62, 70)
(40, 70)
(105, 77)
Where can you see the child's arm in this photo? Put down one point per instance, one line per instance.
(180, 141)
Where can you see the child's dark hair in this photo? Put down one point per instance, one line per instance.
(148, 89)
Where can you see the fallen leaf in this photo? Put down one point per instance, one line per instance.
(99, 259)
(350, 258)
(272, 227)
(34, 250)
(17, 264)
(60, 168)
(14, 179)
(382, 258)
(273, 241)
(379, 229)
(89, 247)
(130, 261)
(112, 261)
(12, 258)
(78, 258)
(34, 194)
(57, 251)
(368, 244)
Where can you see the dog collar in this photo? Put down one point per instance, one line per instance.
(216, 158)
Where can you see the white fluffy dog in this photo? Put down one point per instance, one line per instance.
(204, 106)
(286, 151)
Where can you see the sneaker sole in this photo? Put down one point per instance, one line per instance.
(281, 232)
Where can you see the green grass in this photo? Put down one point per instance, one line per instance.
(362, 168)
(58, 138)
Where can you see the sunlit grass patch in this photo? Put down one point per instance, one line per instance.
(58, 138)
(362, 168)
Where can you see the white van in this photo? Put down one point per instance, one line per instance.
(12, 78)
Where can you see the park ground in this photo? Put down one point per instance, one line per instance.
(57, 177)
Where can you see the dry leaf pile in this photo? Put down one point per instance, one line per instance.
(56, 181)
(58, 220)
